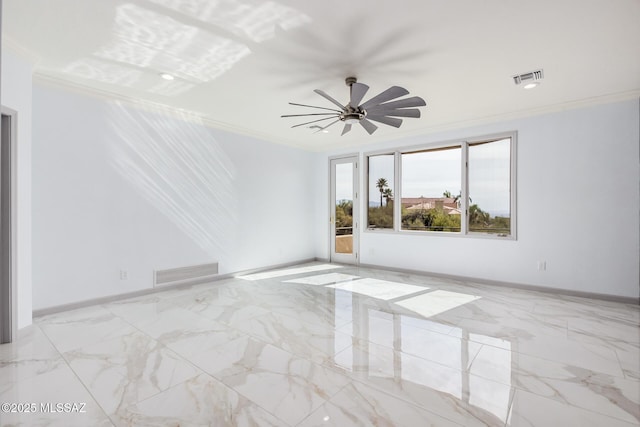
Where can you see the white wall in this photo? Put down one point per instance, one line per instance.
(117, 188)
(16, 95)
(578, 206)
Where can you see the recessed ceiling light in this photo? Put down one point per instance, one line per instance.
(529, 80)
(166, 76)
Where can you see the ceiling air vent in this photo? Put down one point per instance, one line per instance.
(530, 77)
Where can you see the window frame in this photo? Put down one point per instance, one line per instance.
(464, 144)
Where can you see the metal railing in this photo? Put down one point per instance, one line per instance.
(344, 231)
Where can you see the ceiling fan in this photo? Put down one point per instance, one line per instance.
(379, 109)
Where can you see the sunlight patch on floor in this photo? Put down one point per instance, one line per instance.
(288, 272)
(380, 289)
(436, 302)
(323, 279)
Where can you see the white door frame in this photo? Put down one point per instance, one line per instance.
(339, 257)
(8, 278)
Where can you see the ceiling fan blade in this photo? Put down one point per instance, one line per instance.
(313, 106)
(324, 95)
(313, 121)
(406, 112)
(389, 94)
(358, 91)
(414, 101)
(310, 114)
(347, 128)
(368, 126)
(386, 120)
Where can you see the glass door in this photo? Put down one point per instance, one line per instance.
(344, 210)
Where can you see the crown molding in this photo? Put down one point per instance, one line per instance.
(334, 143)
(20, 51)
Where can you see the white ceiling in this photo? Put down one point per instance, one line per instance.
(239, 62)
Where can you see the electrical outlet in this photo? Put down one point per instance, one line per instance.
(124, 275)
(542, 265)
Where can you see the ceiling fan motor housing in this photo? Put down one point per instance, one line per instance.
(352, 117)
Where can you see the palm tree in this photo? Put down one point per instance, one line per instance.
(381, 184)
(478, 218)
(458, 197)
(388, 194)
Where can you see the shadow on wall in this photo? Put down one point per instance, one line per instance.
(180, 168)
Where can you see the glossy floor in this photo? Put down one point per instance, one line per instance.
(328, 345)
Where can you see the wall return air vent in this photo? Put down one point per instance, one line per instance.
(529, 78)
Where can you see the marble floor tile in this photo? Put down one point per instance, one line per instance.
(173, 324)
(285, 385)
(83, 327)
(317, 315)
(47, 389)
(141, 308)
(359, 405)
(130, 368)
(200, 401)
(513, 324)
(331, 345)
(221, 308)
(529, 410)
(627, 331)
(613, 396)
(577, 308)
(466, 399)
(30, 355)
(629, 358)
(31, 344)
(316, 341)
(427, 324)
(628, 352)
(588, 356)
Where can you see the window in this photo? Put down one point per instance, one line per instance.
(460, 188)
(381, 191)
(429, 180)
(489, 187)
